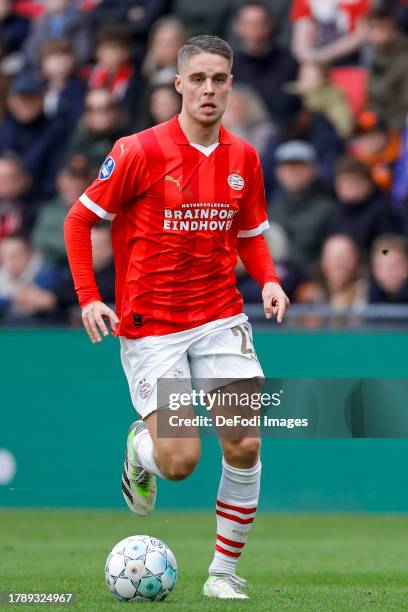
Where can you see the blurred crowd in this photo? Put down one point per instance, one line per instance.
(321, 91)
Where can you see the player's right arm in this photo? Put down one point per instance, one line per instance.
(77, 233)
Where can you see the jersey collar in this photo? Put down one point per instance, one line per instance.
(179, 137)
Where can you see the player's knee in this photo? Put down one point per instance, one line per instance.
(244, 451)
(180, 467)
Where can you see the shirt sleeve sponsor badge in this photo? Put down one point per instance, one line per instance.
(107, 168)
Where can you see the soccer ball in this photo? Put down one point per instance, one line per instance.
(140, 568)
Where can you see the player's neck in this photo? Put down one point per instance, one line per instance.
(204, 135)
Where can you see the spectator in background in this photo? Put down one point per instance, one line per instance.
(102, 123)
(64, 91)
(166, 37)
(13, 28)
(399, 9)
(15, 201)
(319, 95)
(341, 281)
(209, 16)
(303, 124)
(59, 300)
(389, 266)
(61, 19)
(163, 103)
(246, 116)
(48, 236)
(258, 61)
(304, 205)
(114, 70)
(377, 147)
(362, 211)
(388, 69)
(21, 268)
(39, 141)
(328, 32)
(139, 16)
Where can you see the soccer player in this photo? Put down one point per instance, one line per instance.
(185, 198)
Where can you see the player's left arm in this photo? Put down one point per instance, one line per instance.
(252, 247)
(257, 259)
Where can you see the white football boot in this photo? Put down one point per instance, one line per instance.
(138, 485)
(225, 586)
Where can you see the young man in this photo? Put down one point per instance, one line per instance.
(185, 197)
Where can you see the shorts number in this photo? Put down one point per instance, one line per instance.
(240, 330)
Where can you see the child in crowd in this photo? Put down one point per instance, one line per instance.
(114, 69)
(64, 93)
(321, 96)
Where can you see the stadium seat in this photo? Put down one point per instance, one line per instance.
(29, 9)
(352, 80)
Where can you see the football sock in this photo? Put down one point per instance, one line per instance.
(143, 445)
(237, 501)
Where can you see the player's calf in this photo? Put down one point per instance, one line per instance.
(176, 450)
(241, 452)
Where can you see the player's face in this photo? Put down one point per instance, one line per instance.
(205, 82)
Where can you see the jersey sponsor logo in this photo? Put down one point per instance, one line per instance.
(107, 168)
(177, 181)
(199, 217)
(235, 181)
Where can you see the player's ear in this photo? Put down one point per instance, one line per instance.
(177, 83)
(231, 82)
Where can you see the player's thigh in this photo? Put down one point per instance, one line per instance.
(227, 355)
(225, 365)
(154, 367)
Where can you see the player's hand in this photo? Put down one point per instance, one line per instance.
(275, 301)
(93, 316)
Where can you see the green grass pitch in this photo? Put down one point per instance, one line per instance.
(292, 562)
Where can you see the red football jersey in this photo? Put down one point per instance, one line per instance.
(176, 216)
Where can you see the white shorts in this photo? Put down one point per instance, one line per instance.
(221, 349)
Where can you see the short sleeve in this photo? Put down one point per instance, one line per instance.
(120, 179)
(300, 9)
(253, 218)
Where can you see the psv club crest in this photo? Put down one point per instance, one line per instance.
(145, 388)
(235, 181)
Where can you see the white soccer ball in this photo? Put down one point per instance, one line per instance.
(140, 568)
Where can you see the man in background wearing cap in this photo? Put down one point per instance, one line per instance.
(26, 131)
(303, 205)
